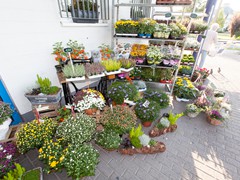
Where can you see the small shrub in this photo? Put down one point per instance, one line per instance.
(108, 139)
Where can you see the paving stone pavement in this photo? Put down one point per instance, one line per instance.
(197, 150)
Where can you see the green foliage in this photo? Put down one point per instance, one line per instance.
(174, 117)
(32, 175)
(158, 96)
(119, 91)
(147, 113)
(108, 139)
(127, 63)
(111, 65)
(77, 129)
(152, 142)
(5, 112)
(15, 174)
(164, 122)
(187, 70)
(134, 136)
(45, 86)
(220, 18)
(81, 161)
(75, 71)
(120, 119)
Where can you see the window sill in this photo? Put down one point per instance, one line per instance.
(68, 23)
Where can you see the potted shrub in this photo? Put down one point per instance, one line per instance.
(127, 64)
(108, 139)
(32, 134)
(7, 154)
(119, 91)
(158, 96)
(77, 129)
(147, 111)
(33, 174)
(154, 55)
(118, 118)
(136, 73)
(94, 70)
(74, 72)
(5, 119)
(126, 28)
(166, 76)
(90, 101)
(141, 87)
(85, 159)
(45, 93)
(63, 113)
(192, 110)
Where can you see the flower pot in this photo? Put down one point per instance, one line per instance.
(192, 114)
(4, 128)
(147, 123)
(112, 76)
(90, 111)
(213, 121)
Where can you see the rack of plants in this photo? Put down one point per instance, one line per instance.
(158, 132)
(11, 134)
(157, 148)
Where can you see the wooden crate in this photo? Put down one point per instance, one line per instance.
(46, 110)
(11, 134)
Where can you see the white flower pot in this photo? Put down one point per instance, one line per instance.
(4, 128)
(192, 115)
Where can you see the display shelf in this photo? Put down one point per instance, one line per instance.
(160, 67)
(150, 5)
(148, 39)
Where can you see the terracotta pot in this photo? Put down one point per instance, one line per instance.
(147, 123)
(111, 76)
(91, 111)
(213, 121)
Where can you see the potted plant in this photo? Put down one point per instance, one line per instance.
(141, 86)
(138, 53)
(147, 111)
(127, 64)
(118, 118)
(84, 11)
(106, 52)
(45, 93)
(136, 73)
(158, 96)
(185, 70)
(7, 154)
(77, 129)
(5, 119)
(74, 72)
(108, 139)
(154, 55)
(63, 113)
(78, 50)
(85, 159)
(119, 91)
(61, 56)
(173, 119)
(184, 89)
(126, 28)
(192, 110)
(16, 173)
(214, 117)
(33, 174)
(161, 31)
(90, 102)
(112, 67)
(166, 76)
(32, 134)
(146, 27)
(94, 70)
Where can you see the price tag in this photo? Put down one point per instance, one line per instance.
(193, 15)
(173, 17)
(168, 15)
(146, 104)
(68, 50)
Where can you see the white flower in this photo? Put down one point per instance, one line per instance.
(1, 147)
(9, 157)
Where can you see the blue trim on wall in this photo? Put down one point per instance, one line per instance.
(6, 98)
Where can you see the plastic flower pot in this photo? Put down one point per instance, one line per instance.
(147, 123)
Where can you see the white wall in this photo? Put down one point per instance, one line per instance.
(28, 30)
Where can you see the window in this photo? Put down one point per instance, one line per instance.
(84, 11)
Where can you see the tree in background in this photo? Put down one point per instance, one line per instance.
(220, 18)
(234, 26)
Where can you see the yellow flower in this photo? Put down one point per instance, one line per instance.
(61, 158)
(53, 164)
(40, 150)
(50, 157)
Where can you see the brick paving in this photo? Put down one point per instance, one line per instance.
(197, 150)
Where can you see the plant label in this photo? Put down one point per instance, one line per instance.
(68, 50)
(146, 104)
(167, 15)
(193, 15)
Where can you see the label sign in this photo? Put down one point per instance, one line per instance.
(68, 50)
(146, 104)
(168, 15)
(193, 15)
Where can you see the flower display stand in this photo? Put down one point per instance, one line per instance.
(157, 148)
(11, 134)
(158, 132)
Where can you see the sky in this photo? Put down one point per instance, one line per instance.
(234, 4)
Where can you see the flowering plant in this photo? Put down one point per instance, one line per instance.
(61, 56)
(120, 119)
(106, 52)
(184, 88)
(147, 110)
(81, 161)
(215, 114)
(126, 26)
(154, 55)
(63, 113)
(146, 26)
(78, 50)
(7, 159)
(158, 96)
(192, 108)
(33, 134)
(119, 91)
(78, 129)
(138, 50)
(204, 72)
(127, 63)
(94, 69)
(52, 154)
(91, 99)
(5, 112)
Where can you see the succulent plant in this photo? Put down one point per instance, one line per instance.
(144, 139)
(94, 69)
(164, 122)
(73, 71)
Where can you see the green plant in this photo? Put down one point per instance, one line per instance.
(45, 86)
(15, 174)
(119, 91)
(134, 135)
(140, 84)
(127, 63)
(32, 134)
(165, 122)
(154, 55)
(146, 26)
(192, 108)
(158, 96)
(33, 174)
(136, 72)
(78, 51)
(5, 112)
(94, 69)
(58, 51)
(77, 129)
(108, 139)
(85, 159)
(63, 113)
(111, 65)
(126, 26)
(187, 70)
(144, 140)
(147, 110)
(73, 71)
(120, 119)
(176, 31)
(174, 117)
